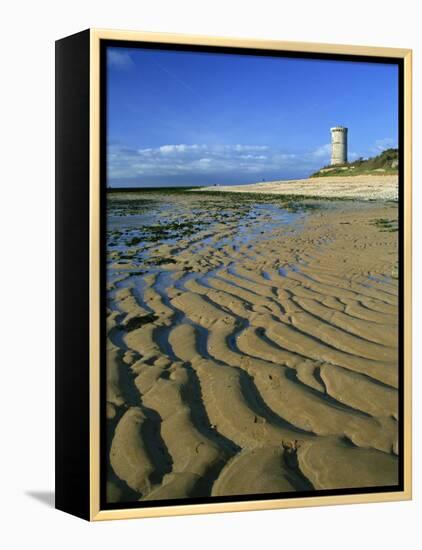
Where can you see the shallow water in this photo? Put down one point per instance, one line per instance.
(137, 227)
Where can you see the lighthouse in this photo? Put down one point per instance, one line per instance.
(338, 145)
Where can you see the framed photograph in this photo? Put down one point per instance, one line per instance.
(233, 274)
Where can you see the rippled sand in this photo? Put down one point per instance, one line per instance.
(252, 350)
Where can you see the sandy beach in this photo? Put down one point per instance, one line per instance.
(374, 187)
(252, 343)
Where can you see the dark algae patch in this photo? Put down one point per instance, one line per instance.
(172, 230)
(133, 241)
(140, 221)
(160, 261)
(137, 322)
(386, 225)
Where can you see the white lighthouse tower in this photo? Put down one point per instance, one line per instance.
(338, 145)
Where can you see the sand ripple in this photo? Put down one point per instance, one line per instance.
(266, 367)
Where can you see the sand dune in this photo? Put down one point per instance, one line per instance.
(262, 365)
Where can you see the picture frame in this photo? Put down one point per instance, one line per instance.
(82, 440)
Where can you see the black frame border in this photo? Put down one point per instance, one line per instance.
(72, 277)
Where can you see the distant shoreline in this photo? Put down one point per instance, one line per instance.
(363, 187)
(373, 187)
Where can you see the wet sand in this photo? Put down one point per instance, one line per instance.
(251, 345)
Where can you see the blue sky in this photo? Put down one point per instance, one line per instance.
(182, 118)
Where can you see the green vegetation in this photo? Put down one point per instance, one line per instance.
(395, 272)
(235, 202)
(385, 163)
(385, 225)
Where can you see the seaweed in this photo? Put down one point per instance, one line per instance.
(385, 225)
(137, 322)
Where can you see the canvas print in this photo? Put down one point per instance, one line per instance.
(252, 275)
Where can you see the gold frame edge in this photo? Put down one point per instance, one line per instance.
(94, 277)
(96, 514)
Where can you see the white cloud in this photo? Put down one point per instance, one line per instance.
(385, 143)
(322, 152)
(182, 159)
(180, 148)
(119, 59)
(240, 147)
